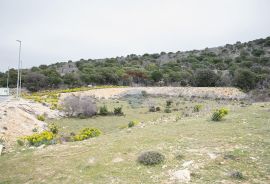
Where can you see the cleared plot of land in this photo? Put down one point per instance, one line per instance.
(207, 92)
(209, 150)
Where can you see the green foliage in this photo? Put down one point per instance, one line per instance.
(53, 128)
(41, 117)
(132, 123)
(205, 78)
(37, 139)
(118, 111)
(257, 52)
(87, 133)
(158, 109)
(152, 109)
(245, 79)
(197, 108)
(169, 103)
(193, 68)
(167, 110)
(20, 142)
(219, 114)
(151, 158)
(156, 76)
(144, 94)
(237, 175)
(103, 110)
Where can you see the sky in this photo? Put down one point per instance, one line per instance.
(61, 30)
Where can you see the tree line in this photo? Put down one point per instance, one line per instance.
(244, 65)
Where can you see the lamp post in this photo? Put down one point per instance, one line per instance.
(7, 77)
(19, 64)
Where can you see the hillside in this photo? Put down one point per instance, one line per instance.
(244, 65)
(196, 149)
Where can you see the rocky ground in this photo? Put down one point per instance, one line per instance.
(19, 118)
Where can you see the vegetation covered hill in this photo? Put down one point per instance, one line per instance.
(245, 65)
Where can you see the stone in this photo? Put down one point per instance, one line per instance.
(181, 176)
(188, 163)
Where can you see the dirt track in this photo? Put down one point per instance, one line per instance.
(205, 92)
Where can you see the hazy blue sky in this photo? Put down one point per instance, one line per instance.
(61, 30)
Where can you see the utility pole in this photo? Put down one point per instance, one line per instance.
(18, 78)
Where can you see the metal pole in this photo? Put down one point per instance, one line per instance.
(7, 77)
(20, 92)
(18, 79)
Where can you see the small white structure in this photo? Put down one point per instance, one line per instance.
(4, 91)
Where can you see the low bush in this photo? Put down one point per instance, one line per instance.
(118, 111)
(237, 175)
(53, 128)
(132, 123)
(37, 139)
(103, 111)
(167, 110)
(87, 133)
(144, 94)
(152, 109)
(158, 109)
(76, 105)
(169, 103)
(151, 158)
(219, 114)
(20, 142)
(197, 108)
(41, 117)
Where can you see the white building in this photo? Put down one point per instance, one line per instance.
(4, 91)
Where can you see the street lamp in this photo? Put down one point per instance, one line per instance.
(19, 64)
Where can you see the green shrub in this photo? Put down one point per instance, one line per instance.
(37, 139)
(144, 94)
(197, 108)
(132, 123)
(169, 103)
(53, 128)
(219, 114)
(152, 109)
(158, 109)
(41, 117)
(103, 110)
(87, 133)
(35, 129)
(245, 79)
(118, 111)
(237, 175)
(151, 158)
(20, 142)
(167, 110)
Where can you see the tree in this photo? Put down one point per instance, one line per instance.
(156, 76)
(244, 79)
(71, 79)
(205, 78)
(35, 81)
(54, 78)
